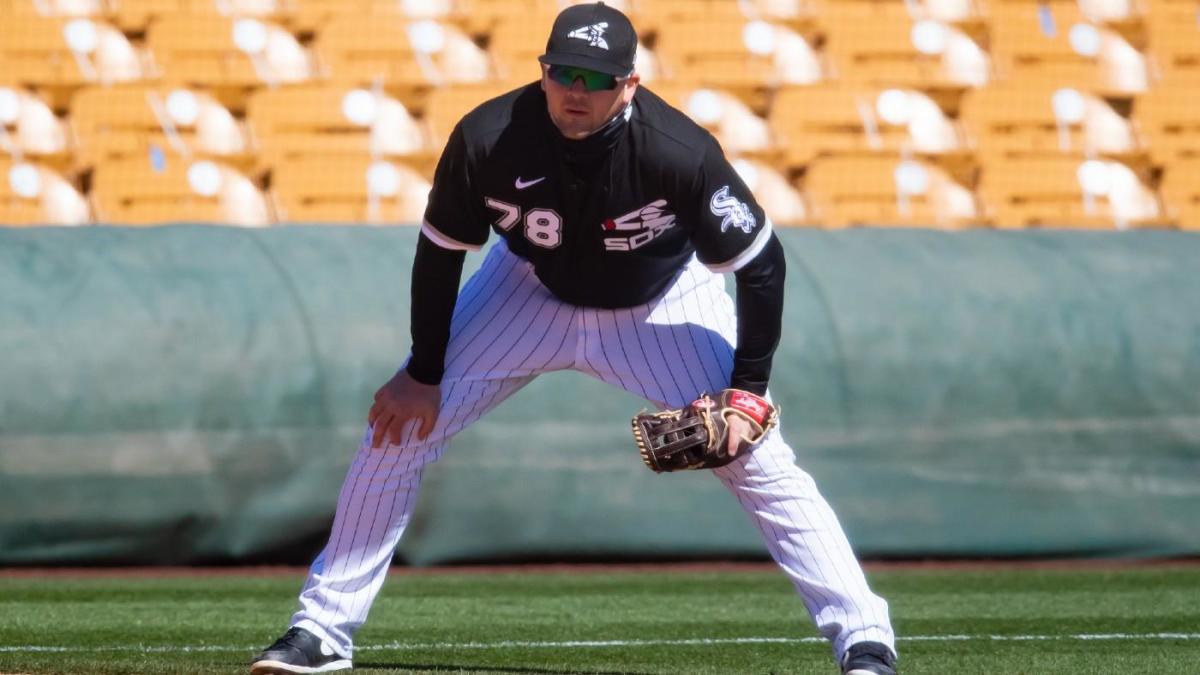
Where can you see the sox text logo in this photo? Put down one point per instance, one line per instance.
(649, 221)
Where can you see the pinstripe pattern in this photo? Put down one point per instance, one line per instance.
(507, 329)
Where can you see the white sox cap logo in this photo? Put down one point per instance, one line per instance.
(734, 212)
(594, 34)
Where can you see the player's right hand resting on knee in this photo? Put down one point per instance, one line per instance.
(399, 400)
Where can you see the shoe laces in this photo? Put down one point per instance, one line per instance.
(872, 649)
(291, 638)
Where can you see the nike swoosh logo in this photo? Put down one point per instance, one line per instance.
(522, 184)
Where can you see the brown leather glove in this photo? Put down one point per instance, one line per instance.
(696, 436)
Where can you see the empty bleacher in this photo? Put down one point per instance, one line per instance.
(921, 113)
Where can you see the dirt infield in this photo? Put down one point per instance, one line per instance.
(167, 572)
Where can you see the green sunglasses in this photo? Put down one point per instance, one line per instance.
(592, 80)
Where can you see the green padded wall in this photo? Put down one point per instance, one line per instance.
(193, 394)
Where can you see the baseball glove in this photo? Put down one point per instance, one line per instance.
(697, 436)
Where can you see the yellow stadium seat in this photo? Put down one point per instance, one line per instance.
(1181, 192)
(515, 42)
(1066, 192)
(35, 194)
(399, 53)
(881, 43)
(348, 190)
(97, 9)
(309, 16)
(1174, 35)
(232, 55)
(1168, 117)
(134, 120)
(739, 130)
(28, 127)
(887, 191)
(481, 16)
(781, 201)
(736, 55)
(328, 120)
(1038, 118)
(1055, 42)
(1115, 12)
(446, 106)
(59, 54)
(653, 15)
(958, 12)
(853, 119)
(135, 15)
(135, 191)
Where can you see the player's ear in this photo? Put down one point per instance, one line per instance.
(631, 85)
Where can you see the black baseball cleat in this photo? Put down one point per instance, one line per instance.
(298, 651)
(869, 658)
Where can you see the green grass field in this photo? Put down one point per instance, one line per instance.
(1132, 620)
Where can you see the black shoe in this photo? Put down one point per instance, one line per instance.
(869, 658)
(298, 651)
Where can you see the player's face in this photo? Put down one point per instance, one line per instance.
(579, 108)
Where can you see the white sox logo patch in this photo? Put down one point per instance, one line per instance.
(735, 213)
(648, 222)
(594, 34)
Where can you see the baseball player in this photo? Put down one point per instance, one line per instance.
(616, 217)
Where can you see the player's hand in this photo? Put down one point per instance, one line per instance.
(400, 400)
(740, 432)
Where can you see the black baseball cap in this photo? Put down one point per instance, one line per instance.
(593, 36)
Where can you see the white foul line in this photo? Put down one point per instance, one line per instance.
(510, 644)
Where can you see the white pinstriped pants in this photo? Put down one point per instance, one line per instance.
(508, 328)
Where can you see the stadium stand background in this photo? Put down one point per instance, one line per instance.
(923, 113)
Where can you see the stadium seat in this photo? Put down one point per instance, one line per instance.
(736, 55)
(135, 15)
(394, 52)
(887, 191)
(1066, 192)
(139, 191)
(97, 9)
(1174, 35)
(843, 119)
(652, 15)
(782, 202)
(1039, 119)
(28, 127)
(1168, 118)
(1114, 12)
(446, 106)
(34, 194)
(230, 56)
(348, 190)
(1054, 42)
(481, 16)
(736, 127)
(137, 120)
(1181, 192)
(881, 43)
(329, 120)
(59, 55)
(957, 12)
